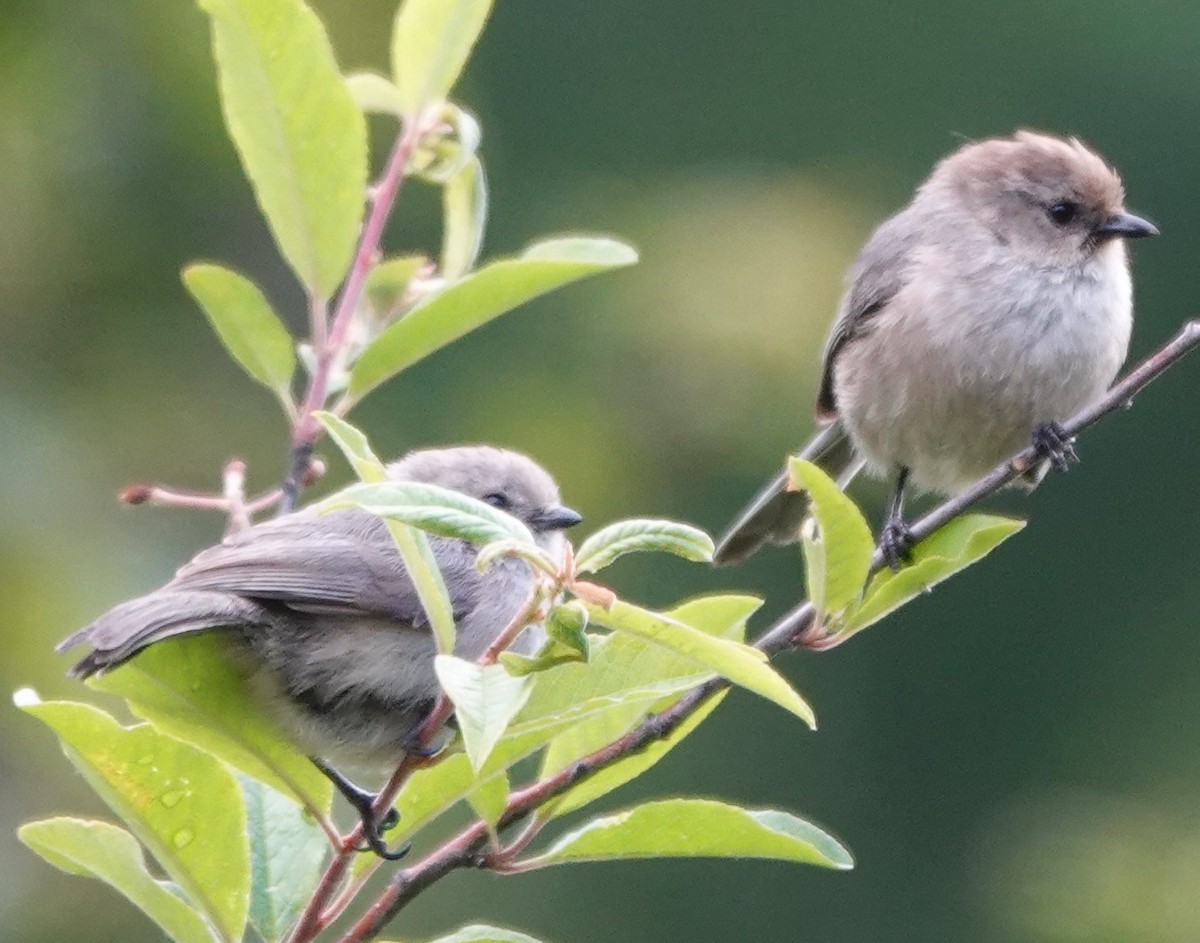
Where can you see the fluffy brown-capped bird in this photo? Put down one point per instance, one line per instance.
(994, 306)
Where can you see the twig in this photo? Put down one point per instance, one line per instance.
(329, 350)
(234, 488)
(465, 849)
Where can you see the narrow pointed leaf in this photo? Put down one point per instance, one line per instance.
(431, 42)
(182, 804)
(697, 828)
(300, 135)
(464, 215)
(422, 567)
(480, 933)
(287, 851)
(637, 535)
(535, 556)
(489, 799)
(478, 298)
(955, 546)
(430, 508)
(189, 688)
(411, 544)
(635, 660)
(389, 280)
(486, 699)
(246, 324)
(740, 664)
(374, 94)
(112, 855)
(842, 548)
(354, 446)
(630, 767)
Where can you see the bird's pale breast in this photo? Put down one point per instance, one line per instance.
(955, 373)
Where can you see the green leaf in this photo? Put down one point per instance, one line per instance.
(449, 148)
(432, 790)
(478, 298)
(489, 800)
(622, 663)
(486, 699)
(434, 509)
(182, 804)
(634, 660)
(431, 42)
(567, 641)
(550, 655)
(464, 215)
(697, 828)
(389, 280)
(373, 93)
(423, 570)
(480, 933)
(354, 446)
(632, 536)
(953, 547)
(839, 556)
(111, 854)
(246, 324)
(740, 664)
(567, 624)
(411, 544)
(627, 768)
(192, 690)
(287, 852)
(535, 556)
(301, 137)
(724, 614)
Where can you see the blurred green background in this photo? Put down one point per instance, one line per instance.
(1013, 759)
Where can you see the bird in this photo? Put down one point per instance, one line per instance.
(322, 612)
(987, 311)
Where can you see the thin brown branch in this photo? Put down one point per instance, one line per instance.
(466, 849)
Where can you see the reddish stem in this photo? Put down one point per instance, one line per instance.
(329, 351)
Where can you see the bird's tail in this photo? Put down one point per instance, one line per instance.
(124, 631)
(775, 514)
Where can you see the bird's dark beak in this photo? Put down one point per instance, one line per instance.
(1126, 226)
(557, 518)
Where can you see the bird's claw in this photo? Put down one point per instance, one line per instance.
(1052, 442)
(896, 543)
(373, 834)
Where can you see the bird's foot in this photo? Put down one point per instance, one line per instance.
(363, 802)
(896, 543)
(374, 829)
(1052, 442)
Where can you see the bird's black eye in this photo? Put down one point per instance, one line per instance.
(497, 500)
(1064, 212)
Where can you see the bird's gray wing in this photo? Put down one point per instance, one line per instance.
(344, 561)
(876, 276)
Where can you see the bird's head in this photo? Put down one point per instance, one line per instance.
(1050, 200)
(506, 480)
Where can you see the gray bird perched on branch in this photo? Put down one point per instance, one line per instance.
(994, 306)
(322, 608)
